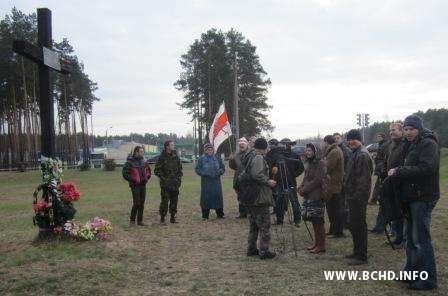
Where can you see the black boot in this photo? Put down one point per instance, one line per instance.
(252, 252)
(173, 219)
(267, 255)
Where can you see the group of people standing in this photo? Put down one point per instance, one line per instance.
(137, 172)
(337, 178)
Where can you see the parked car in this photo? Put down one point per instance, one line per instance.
(299, 150)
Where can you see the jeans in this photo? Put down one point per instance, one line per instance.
(398, 229)
(282, 204)
(138, 202)
(419, 248)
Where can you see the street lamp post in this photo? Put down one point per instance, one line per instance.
(107, 140)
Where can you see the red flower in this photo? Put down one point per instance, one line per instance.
(41, 205)
(69, 192)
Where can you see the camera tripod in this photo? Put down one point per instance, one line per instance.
(284, 194)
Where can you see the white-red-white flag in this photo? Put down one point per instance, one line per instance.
(220, 129)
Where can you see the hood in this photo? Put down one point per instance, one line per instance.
(315, 152)
(426, 133)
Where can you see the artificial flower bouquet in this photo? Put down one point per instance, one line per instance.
(96, 229)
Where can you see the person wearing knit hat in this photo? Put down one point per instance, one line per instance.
(414, 121)
(419, 177)
(261, 144)
(255, 187)
(210, 167)
(235, 164)
(358, 184)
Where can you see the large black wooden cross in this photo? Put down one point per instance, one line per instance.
(46, 58)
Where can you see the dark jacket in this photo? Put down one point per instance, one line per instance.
(358, 181)
(169, 170)
(315, 173)
(235, 164)
(258, 171)
(380, 159)
(292, 166)
(396, 152)
(420, 172)
(136, 171)
(334, 160)
(347, 156)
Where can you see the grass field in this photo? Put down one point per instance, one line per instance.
(189, 258)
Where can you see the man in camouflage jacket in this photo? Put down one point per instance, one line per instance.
(169, 170)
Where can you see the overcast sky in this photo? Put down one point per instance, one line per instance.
(327, 60)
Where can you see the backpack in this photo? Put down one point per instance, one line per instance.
(248, 189)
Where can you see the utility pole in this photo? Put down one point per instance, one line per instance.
(236, 119)
(362, 120)
(210, 111)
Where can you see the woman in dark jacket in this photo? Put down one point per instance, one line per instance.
(137, 172)
(313, 208)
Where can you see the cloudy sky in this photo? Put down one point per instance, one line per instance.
(327, 59)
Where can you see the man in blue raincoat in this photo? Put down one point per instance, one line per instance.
(210, 167)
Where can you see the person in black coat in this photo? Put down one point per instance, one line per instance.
(419, 176)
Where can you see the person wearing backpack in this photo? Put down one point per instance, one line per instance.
(137, 172)
(313, 208)
(334, 160)
(419, 176)
(256, 194)
(358, 187)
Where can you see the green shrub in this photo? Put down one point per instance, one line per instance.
(85, 166)
(109, 164)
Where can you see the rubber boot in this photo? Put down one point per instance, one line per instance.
(320, 246)
(315, 238)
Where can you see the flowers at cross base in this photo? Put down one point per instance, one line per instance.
(69, 192)
(96, 229)
(41, 205)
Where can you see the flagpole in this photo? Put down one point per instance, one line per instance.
(230, 145)
(236, 116)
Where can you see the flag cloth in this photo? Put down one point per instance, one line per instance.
(220, 129)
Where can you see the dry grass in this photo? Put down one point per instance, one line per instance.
(189, 258)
